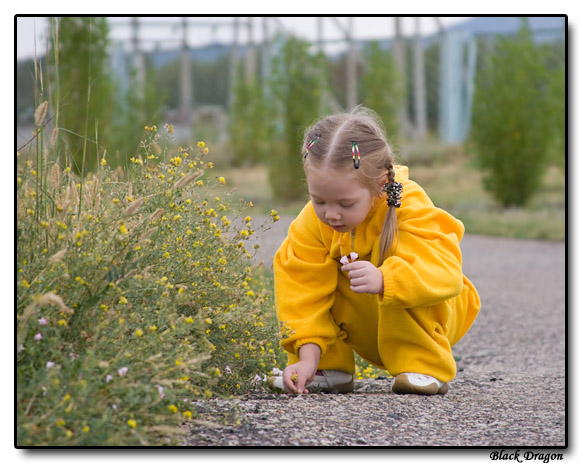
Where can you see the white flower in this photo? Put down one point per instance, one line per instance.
(228, 370)
(37, 337)
(277, 372)
(42, 321)
(161, 392)
(354, 256)
(108, 378)
(256, 379)
(122, 371)
(50, 364)
(344, 260)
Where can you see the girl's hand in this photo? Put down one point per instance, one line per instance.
(298, 375)
(364, 277)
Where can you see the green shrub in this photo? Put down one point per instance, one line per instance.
(134, 295)
(382, 87)
(511, 129)
(297, 96)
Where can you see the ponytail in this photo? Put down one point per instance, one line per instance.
(390, 227)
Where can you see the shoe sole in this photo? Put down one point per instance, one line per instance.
(402, 386)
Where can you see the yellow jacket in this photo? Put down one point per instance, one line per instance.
(423, 269)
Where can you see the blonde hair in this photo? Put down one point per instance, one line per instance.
(333, 150)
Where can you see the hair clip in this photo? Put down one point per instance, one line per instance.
(393, 191)
(355, 151)
(309, 145)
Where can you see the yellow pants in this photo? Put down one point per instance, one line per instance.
(414, 340)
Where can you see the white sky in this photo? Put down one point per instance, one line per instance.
(171, 32)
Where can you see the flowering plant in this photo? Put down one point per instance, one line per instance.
(134, 294)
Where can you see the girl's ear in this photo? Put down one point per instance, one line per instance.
(383, 181)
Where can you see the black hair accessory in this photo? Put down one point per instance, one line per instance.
(393, 191)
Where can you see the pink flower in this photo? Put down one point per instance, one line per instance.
(228, 370)
(122, 371)
(37, 337)
(50, 364)
(354, 256)
(42, 321)
(108, 378)
(344, 260)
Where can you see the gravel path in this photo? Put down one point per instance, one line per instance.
(509, 391)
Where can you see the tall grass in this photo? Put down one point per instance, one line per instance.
(135, 294)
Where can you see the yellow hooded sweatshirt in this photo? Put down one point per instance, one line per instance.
(427, 305)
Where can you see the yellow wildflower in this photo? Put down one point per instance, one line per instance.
(173, 408)
(189, 320)
(221, 180)
(123, 230)
(132, 423)
(187, 414)
(201, 144)
(139, 333)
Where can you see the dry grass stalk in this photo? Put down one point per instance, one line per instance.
(40, 113)
(156, 215)
(147, 234)
(187, 179)
(134, 206)
(58, 256)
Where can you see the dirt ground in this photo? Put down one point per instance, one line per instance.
(510, 390)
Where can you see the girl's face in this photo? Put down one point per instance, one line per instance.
(339, 199)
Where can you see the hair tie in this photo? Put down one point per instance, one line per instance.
(309, 145)
(355, 151)
(393, 190)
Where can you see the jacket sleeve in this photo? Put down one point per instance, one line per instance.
(305, 282)
(425, 267)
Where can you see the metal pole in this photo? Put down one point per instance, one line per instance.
(400, 58)
(352, 95)
(419, 83)
(251, 54)
(234, 59)
(186, 85)
(139, 60)
(266, 56)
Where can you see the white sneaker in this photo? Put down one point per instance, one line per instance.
(331, 381)
(416, 383)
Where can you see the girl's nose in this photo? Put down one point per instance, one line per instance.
(332, 215)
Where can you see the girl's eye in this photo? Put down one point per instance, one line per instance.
(346, 206)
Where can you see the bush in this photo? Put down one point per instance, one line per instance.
(382, 87)
(134, 295)
(510, 129)
(297, 91)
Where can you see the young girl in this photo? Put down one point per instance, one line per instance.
(370, 266)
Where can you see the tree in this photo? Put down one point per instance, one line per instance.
(85, 91)
(297, 99)
(247, 126)
(382, 87)
(510, 130)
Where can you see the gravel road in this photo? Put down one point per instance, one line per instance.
(509, 390)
